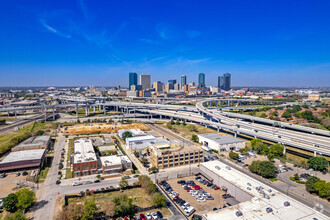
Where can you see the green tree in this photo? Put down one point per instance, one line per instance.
(254, 166)
(274, 113)
(321, 188)
(3, 122)
(256, 142)
(177, 122)
(194, 138)
(40, 132)
(263, 115)
(184, 122)
(153, 169)
(25, 198)
(123, 183)
(123, 205)
(158, 200)
(169, 126)
(270, 157)
(305, 106)
(276, 150)
(310, 184)
(233, 155)
(286, 115)
(126, 134)
(296, 176)
(90, 209)
(151, 188)
(9, 203)
(317, 163)
(267, 169)
(171, 122)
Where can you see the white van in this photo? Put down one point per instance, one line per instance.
(190, 210)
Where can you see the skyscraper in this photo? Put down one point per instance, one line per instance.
(132, 80)
(201, 80)
(173, 81)
(221, 82)
(183, 81)
(145, 81)
(227, 80)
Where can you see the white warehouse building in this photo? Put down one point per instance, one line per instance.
(220, 142)
(140, 142)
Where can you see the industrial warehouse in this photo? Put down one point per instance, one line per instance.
(220, 142)
(255, 199)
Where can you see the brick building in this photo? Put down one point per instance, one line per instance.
(84, 160)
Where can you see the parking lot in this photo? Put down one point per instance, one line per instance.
(200, 196)
(9, 182)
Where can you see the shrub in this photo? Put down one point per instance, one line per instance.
(233, 155)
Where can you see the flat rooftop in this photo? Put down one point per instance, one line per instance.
(220, 138)
(110, 160)
(256, 208)
(83, 151)
(107, 148)
(23, 156)
(35, 141)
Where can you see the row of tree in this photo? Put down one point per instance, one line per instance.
(157, 198)
(265, 169)
(320, 187)
(272, 151)
(18, 202)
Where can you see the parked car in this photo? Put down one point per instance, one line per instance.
(3, 175)
(76, 183)
(142, 216)
(148, 216)
(97, 181)
(154, 215)
(159, 214)
(58, 182)
(25, 173)
(18, 174)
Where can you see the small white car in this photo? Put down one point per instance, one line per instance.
(76, 183)
(154, 215)
(148, 216)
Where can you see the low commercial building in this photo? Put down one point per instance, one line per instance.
(174, 155)
(84, 160)
(116, 164)
(36, 142)
(134, 132)
(25, 159)
(252, 199)
(139, 142)
(220, 142)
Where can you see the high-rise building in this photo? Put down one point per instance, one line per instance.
(158, 86)
(227, 82)
(145, 81)
(177, 86)
(221, 82)
(132, 80)
(91, 90)
(173, 81)
(183, 81)
(201, 80)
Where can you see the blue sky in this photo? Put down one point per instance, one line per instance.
(84, 42)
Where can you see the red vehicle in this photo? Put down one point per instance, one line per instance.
(216, 188)
(142, 216)
(176, 198)
(188, 190)
(197, 187)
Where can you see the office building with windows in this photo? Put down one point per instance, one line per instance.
(173, 81)
(183, 81)
(173, 154)
(145, 81)
(132, 80)
(201, 80)
(227, 81)
(84, 161)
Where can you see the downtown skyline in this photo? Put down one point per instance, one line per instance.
(82, 43)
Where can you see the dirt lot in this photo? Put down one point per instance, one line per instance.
(8, 184)
(102, 127)
(199, 206)
(141, 200)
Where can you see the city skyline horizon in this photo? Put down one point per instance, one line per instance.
(79, 43)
